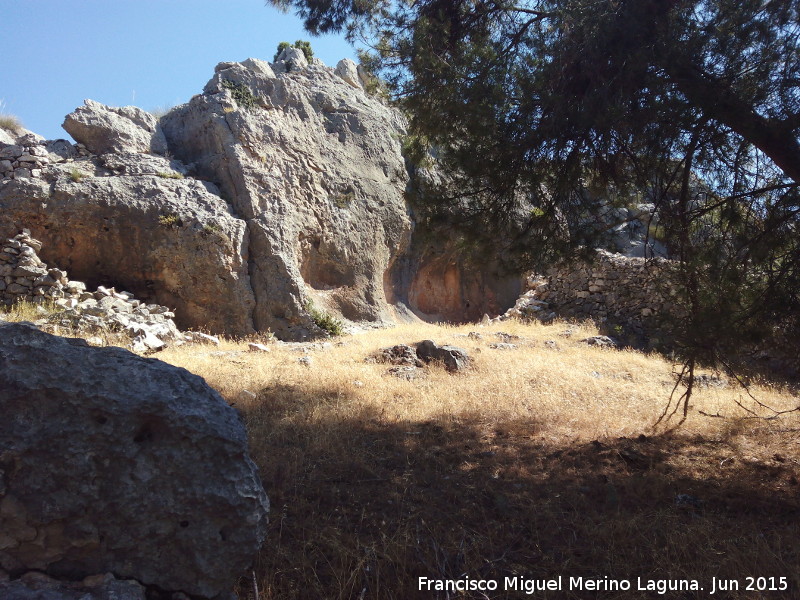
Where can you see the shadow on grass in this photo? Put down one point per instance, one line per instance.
(362, 508)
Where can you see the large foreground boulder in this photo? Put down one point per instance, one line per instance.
(110, 462)
(37, 586)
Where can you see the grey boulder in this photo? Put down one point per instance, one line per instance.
(452, 357)
(110, 462)
(104, 129)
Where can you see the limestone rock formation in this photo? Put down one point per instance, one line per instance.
(105, 129)
(24, 277)
(348, 71)
(314, 167)
(110, 462)
(288, 191)
(140, 225)
(436, 284)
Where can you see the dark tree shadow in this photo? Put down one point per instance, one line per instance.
(362, 507)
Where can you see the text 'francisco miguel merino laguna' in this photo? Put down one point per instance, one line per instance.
(531, 586)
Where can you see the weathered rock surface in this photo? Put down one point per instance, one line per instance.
(170, 241)
(348, 71)
(400, 354)
(452, 357)
(435, 283)
(314, 167)
(25, 277)
(307, 204)
(603, 341)
(110, 462)
(115, 129)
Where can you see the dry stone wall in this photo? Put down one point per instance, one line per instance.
(630, 295)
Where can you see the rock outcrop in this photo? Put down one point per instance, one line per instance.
(313, 164)
(287, 190)
(104, 129)
(135, 222)
(24, 277)
(453, 358)
(110, 462)
(435, 283)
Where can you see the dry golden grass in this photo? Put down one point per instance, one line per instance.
(537, 462)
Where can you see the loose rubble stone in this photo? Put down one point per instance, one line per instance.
(246, 396)
(503, 346)
(200, 338)
(407, 372)
(602, 341)
(121, 464)
(150, 327)
(633, 294)
(399, 355)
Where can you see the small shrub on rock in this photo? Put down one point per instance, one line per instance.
(300, 45)
(170, 175)
(170, 220)
(241, 94)
(324, 320)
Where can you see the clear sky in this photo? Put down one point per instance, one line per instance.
(149, 53)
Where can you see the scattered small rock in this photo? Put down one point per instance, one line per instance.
(408, 372)
(201, 338)
(253, 347)
(305, 361)
(246, 396)
(454, 358)
(602, 341)
(503, 346)
(506, 337)
(687, 502)
(710, 381)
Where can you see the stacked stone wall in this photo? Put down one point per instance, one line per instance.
(630, 295)
(27, 158)
(23, 276)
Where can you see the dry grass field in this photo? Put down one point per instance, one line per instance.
(538, 462)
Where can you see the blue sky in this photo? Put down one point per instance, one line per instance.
(149, 53)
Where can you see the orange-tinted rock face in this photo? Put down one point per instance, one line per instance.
(443, 289)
